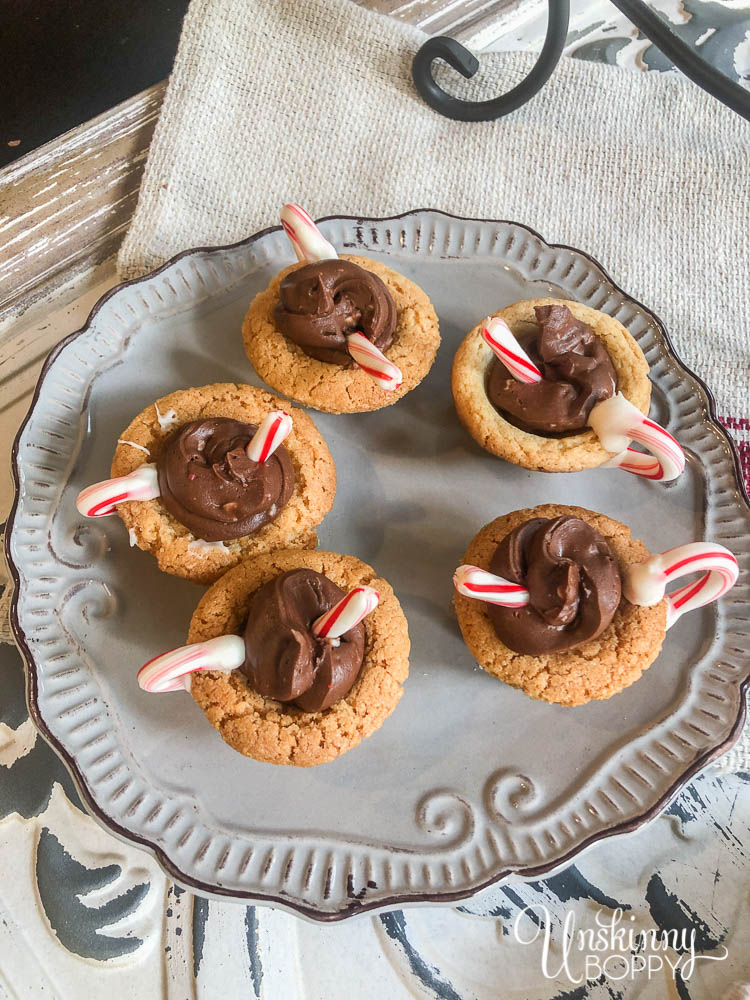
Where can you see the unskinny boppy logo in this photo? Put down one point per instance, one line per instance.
(613, 948)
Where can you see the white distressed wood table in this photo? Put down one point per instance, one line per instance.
(84, 914)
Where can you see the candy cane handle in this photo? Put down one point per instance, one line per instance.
(502, 342)
(347, 613)
(274, 430)
(617, 422)
(308, 241)
(372, 361)
(471, 581)
(102, 498)
(645, 583)
(171, 670)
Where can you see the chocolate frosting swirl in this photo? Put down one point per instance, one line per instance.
(577, 370)
(283, 659)
(320, 303)
(573, 581)
(208, 483)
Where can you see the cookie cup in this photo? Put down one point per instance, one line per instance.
(593, 671)
(278, 733)
(287, 369)
(175, 547)
(495, 434)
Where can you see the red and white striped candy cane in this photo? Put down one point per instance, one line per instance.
(276, 428)
(171, 670)
(374, 362)
(102, 498)
(471, 581)
(308, 241)
(347, 613)
(645, 583)
(617, 422)
(500, 338)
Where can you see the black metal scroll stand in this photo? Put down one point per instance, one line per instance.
(650, 24)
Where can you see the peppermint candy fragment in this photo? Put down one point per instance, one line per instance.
(502, 341)
(471, 581)
(616, 422)
(347, 613)
(273, 431)
(645, 583)
(102, 498)
(372, 361)
(171, 670)
(308, 241)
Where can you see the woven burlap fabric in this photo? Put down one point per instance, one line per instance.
(312, 101)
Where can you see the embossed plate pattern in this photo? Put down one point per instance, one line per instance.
(469, 781)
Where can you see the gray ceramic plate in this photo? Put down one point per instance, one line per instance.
(469, 781)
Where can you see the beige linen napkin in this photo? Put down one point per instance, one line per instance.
(312, 101)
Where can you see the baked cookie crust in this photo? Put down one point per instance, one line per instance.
(276, 733)
(533, 451)
(176, 549)
(596, 670)
(285, 367)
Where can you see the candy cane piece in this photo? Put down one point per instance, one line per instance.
(374, 362)
(471, 581)
(308, 241)
(171, 670)
(644, 583)
(500, 338)
(347, 613)
(640, 463)
(617, 422)
(102, 498)
(276, 428)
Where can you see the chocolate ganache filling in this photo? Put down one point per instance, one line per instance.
(283, 659)
(577, 370)
(208, 483)
(573, 582)
(321, 303)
